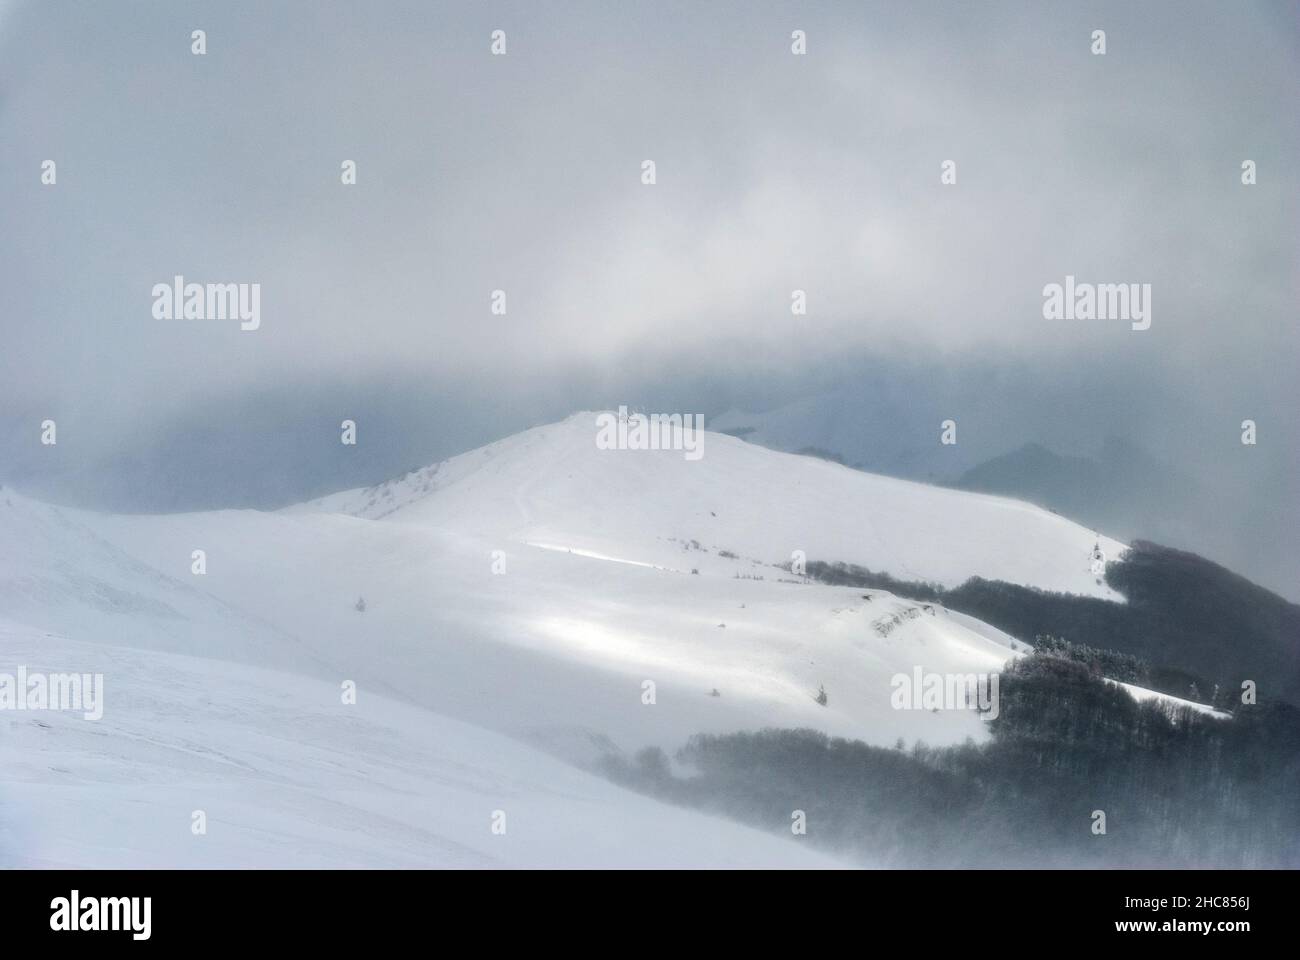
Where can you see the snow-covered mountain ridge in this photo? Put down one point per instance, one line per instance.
(553, 484)
(528, 593)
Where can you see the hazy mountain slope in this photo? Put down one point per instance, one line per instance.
(882, 430)
(1125, 491)
(1121, 489)
(1111, 484)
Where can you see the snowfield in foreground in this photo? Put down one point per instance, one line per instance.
(518, 600)
(284, 776)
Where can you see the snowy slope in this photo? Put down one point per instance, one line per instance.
(556, 649)
(519, 599)
(597, 598)
(57, 572)
(287, 775)
(553, 486)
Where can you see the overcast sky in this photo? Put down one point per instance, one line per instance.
(522, 172)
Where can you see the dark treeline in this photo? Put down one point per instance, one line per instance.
(1177, 788)
(1101, 663)
(1194, 622)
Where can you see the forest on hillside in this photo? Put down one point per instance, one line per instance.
(1197, 626)
(1173, 787)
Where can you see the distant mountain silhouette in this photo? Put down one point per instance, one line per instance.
(1123, 490)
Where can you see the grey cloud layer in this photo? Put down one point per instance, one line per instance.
(521, 172)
